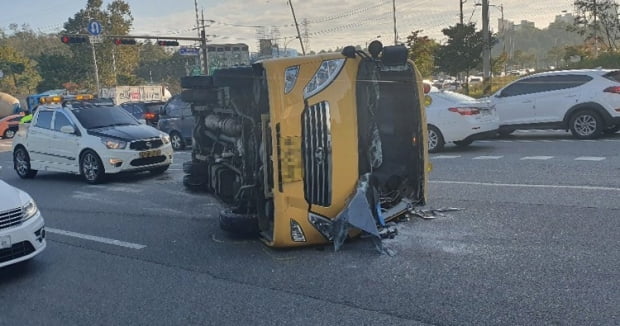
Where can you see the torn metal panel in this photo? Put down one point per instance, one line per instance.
(359, 213)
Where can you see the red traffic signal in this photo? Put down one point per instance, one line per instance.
(168, 43)
(124, 41)
(73, 39)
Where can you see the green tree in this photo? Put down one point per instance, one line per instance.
(57, 70)
(422, 51)
(113, 61)
(463, 50)
(21, 76)
(556, 55)
(598, 21)
(498, 64)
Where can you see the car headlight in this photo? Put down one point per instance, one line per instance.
(113, 143)
(165, 138)
(30, 210)
(327, 72)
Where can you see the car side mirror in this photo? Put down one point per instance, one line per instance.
(67, 129)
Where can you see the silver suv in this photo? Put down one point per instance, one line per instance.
(586, 102)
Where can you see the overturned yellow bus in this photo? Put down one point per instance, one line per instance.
(307, 150)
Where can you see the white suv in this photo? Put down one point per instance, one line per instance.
(90, 140)
(22, 232)
(586, 102)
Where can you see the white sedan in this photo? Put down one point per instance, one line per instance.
(457, 118)
(22, 232)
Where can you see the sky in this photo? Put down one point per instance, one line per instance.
(330, 23)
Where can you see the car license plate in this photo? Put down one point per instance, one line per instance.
(153, 153)
(5, 242)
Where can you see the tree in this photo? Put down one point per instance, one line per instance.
(113, 61)
(598, 21)
(463, 50)
(57, 70)
(556, 55)
(21, 76)
(422, 51)
(498, 64)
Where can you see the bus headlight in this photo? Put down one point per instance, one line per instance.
(327, 72)
(290, 78)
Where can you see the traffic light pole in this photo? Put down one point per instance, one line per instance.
(92, 46)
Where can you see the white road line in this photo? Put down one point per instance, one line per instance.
(589, 158)
(525, 141)
(445, 156)
(541, 158)
(488, 157)
(520, 185)
(546, 141)
(567, 140)
(96, 238)
(506, 141)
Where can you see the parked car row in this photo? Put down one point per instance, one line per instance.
(585, 102)
(173, 117)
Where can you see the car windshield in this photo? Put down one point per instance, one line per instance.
(103, 116)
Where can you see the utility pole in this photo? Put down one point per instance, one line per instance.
(461, 2)
(199, 62)
(203, 45)
(486, 51)
(394, 15)
(595, 13)
(301, 42)
(92, 46)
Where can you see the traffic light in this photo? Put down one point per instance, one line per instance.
(73, 39)
(124, 41)
(168, 43)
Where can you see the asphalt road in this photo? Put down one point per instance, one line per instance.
(536, 242)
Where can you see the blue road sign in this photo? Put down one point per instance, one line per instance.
(94, 27)
(189, 51)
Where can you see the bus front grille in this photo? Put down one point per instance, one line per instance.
(317, 154)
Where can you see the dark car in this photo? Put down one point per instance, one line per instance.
(147, 111)
(176, 119)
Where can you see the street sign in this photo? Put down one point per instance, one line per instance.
(94, 27)
(95, 39)
(189, 51)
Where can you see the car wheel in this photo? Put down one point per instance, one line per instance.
(586, 124)
(159, 170)
(240, 224)
(21, 163)
(177, 141)
(91, 168)
(435, 140)
(9, 133)
(463, 143)
(505, 132)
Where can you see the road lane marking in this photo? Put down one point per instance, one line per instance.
(525, 141)
(488, 157)
(589, 158)
(540, 158)
(96, 238)
(445, 156)
(522, 185)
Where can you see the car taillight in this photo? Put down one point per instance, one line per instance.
(149, 115)
(612, 89)
(465, 111)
